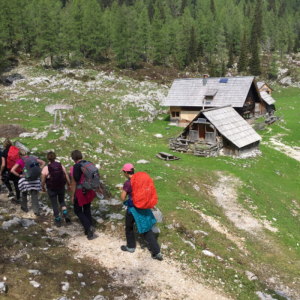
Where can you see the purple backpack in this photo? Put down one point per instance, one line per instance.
(57, 179)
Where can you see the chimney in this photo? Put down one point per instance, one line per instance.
(205, 76)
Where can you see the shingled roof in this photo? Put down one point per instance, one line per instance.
(260, 84)
(267, 98)
(232, 126)
(191, 92)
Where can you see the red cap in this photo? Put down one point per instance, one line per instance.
(127, 167)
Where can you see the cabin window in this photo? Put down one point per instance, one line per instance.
(177, 113)
(173, 114)
(209, 98)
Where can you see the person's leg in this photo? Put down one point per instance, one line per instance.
(24, 202)
(151, 239)
(8, 185)
(35, 202)
(61, 199)
(129, 221)
(53, 198)
(87, 212)
(18, 193)
(81, 216)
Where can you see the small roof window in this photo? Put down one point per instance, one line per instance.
(223, 80)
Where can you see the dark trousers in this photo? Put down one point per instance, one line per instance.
(84, 214)
(34, 200)
(150, 236)
(55, 195)
(15, 180)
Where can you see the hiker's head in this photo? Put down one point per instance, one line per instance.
(22, 152)
(128, 170)
(7, 143)
(76, 155)
(51, 156)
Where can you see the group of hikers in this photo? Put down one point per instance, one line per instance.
(30, 174)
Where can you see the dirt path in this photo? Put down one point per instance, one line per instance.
(226, 197)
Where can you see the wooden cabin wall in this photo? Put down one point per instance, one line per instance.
(249, 148)
(229, 148)
(267, 89)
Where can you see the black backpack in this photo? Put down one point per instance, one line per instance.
(57, 179)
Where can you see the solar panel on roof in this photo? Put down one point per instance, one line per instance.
(223, 80)
(201, 120)
(207, 102)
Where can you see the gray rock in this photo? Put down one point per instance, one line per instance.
(158, 135)
(41, 135)
(158, 215)
(155, 230)
(65, 286)
(21, 146)
(35, 272)
(79, 275)
(200, 231)
(96, 273)
(1, 218)
(35, 284)
(3, 287)
(115, 216)
(83, 284)
(142, 161)
(281, 294)
(99, 297)
(27, 223)
(208, 253)
(27, 134)
(68, 272)
(101, 290)
(250, 275)
(64, 298)
(14, 221)
(4, 211)
(263, 296)
(49, 229)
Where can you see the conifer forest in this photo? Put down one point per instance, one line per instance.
(176, 33)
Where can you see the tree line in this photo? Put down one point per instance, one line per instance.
(178, 33)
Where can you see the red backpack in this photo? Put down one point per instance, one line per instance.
(143, 191)
(12, 158)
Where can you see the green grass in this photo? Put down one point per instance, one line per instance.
(275, 196)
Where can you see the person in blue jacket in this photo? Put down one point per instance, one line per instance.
(143, 218)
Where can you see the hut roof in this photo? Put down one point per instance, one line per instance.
(267, 98)
(227, 91)
(232, 126)
(260, 84)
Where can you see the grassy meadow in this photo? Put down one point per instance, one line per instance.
(270, 182)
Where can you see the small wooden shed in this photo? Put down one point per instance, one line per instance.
(266, 95)
(216, 129)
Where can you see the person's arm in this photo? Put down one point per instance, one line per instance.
(44, 177)
(67, 176)
(73, 189)
(123, 195)
(13, 170)
(41, 163)
(2, 165)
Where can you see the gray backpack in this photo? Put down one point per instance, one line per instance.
(90, 174)
(32, 170)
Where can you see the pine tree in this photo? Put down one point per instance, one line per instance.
(281, 9)
(212, 7)
(223, 72)
(212, 69)
(230, 56)
(255, 60)
(273, 72)
(297, 43)
(144, 31)
(200, 49)
(193, 45)
(151, 10)
(257, 27)
(176, 63)
(290, 45)
(242, 64)
(7, 23)
(156, 38)
(183, 6)
(272, 6)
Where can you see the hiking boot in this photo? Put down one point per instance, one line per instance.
(125, 248)
(90, 234)
(24, 209)
(57, 223)
(158, 256)
(67, 218)
(86, 232)
(11, 194)
(18, 201)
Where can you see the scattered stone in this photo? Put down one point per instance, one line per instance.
(158, 178)
(96, 273)
(115, 201)
(192, 245)
(251, 276)
(200, 231)
(68, 272)
(163, 246)
(142, 161)
(159, 136)
(83, 284)
(49, 229)
(35, 272)
(3, 287)
(27, 223)
(196, 187)
(27, 134)
(79, 275)
(119, 186)
(158, 215)
(263, 296)
(155, 230)
(208, 253)
(41, 135)
(64, 298)
(115, 216)
(99, 297)
(101, 290)
(65, 286)
(281, 294)
(35, 284)
(15, 241)
(7, 224)
(4, 211)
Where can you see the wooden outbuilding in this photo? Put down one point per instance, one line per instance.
(266, 94)
(216, 129)
(188, 96)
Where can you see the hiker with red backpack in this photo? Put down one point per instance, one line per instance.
(85, 179)
(141, 198)
(30, 179)
(10, 155)
(55, 176)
